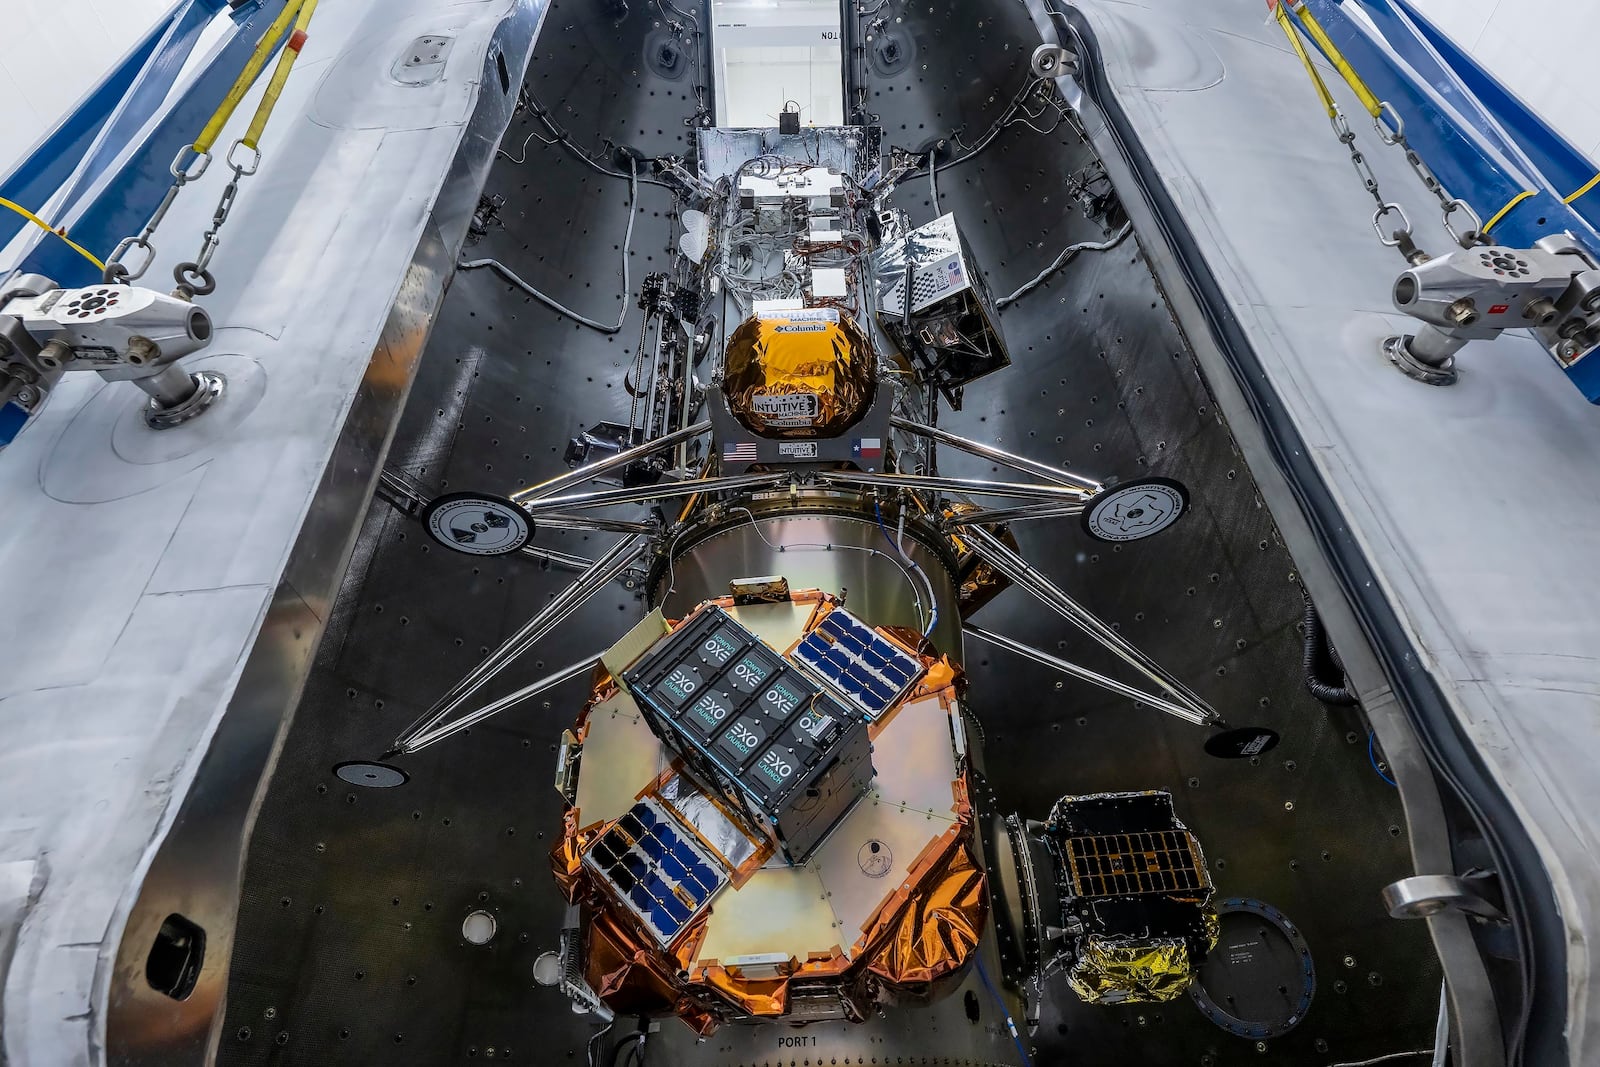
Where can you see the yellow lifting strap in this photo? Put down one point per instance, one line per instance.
(1590, 184)
(1369, 100)
(291, 52)
(1281, 11)
(1494, 219)
(247, 76)
(43, 225)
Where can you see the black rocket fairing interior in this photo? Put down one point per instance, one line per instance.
(407, 925)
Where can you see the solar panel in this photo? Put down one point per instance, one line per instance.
(653, 864)
(863, 665)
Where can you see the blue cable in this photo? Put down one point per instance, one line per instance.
(1372, 757)
(995, 993)
(933, 605)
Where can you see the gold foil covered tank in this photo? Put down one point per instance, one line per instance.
(806, 372)
(1111, 971)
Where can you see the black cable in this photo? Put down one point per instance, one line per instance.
(629, 1052)
(563, 138)
(1318, 654)
(983, 142)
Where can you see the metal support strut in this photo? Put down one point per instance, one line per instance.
(996, 554)
(1083, 674)
(998, 455)
(422, 740)
(432, 725)
(637, 494)
(1031, 511)
(590, 471)
(968, 486)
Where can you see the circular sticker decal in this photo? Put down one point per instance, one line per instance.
(1138, 509)
(371, 775)
(875, 859)
(479, 524)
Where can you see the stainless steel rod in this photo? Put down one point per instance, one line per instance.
(399, 486)
(428, 737)
(1033, 511)
(593, 522)
(975, 486)
(590, 471)
(998, 455)
(1019, 570)
(574, 596)
(634, 494)
(1084, 674)
(556, 558)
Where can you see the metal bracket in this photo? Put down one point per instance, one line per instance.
(1053, 61)
(1423, 895)
(1552, 290)
(121, 332)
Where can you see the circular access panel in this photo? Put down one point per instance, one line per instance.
(478, 928)
(547, 969)
(479, 524)
(1259, 979)
(1135, 510)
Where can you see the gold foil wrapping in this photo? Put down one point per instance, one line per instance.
(635, 978)
(566, 857)
(628, 974)
(1131, 972)
(939, 928)
(760, 996)
(803, 373)
(977, 582)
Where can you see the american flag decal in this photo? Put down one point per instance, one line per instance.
(739, 452)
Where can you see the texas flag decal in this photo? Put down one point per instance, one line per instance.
(866, 448)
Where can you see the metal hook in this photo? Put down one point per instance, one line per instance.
(1384, 135)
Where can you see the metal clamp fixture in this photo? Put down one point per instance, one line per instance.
(122, 332)
(132, 334)
(1552, 289)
